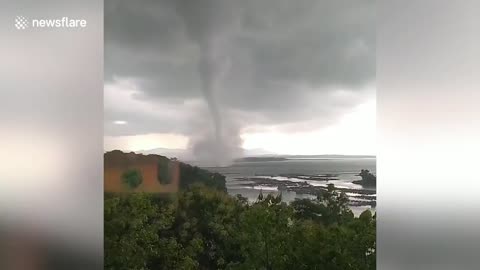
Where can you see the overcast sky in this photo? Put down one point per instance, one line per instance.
(297, 77)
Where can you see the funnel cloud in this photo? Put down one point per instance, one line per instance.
(210, 24)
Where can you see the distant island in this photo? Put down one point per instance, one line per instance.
(326, 156)
(259, 159)
(288, 157)
(368, 179)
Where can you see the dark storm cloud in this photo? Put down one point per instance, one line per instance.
(287, 59)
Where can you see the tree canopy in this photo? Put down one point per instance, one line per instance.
(205, 228)
(133, 178)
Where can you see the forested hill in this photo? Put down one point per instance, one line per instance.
(154, 172)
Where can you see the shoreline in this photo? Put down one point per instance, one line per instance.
(357, 197)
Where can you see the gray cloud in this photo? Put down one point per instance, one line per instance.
(305, 61)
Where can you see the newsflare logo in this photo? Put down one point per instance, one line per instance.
(22, 23)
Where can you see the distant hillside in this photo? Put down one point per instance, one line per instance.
(131, 172)
(181, 154)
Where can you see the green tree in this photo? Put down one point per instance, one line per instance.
(133, 178)
(164, 171)
(307, 209)
(131, 230)
(192, 174)
(206, 222)
(264, 234)
(334, 206)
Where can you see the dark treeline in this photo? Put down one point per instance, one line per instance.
(192, 174)
(205, 228)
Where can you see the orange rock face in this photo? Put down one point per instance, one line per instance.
(116, 163)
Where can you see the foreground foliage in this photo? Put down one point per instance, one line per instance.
(205, 228)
